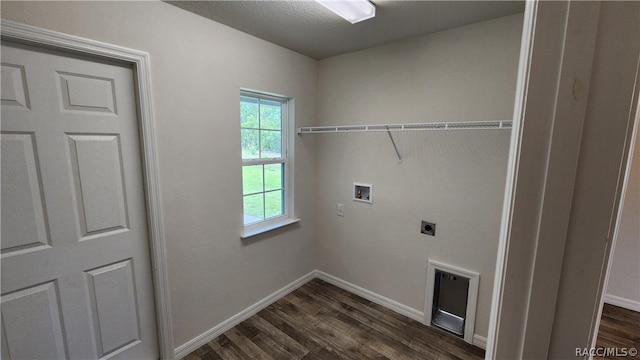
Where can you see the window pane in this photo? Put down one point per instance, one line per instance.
(273, 175)
(273, 204)
(262, 132)
(270, 115)
(270, 144)
(248, 112)
(253, 208)
(252, 179)
(250, 143)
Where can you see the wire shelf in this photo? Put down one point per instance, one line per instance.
(441, 126)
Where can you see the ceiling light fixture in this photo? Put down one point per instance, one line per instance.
(351, 10)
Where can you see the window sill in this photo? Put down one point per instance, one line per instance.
(268, 227)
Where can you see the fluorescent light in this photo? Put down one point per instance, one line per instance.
(351, 10)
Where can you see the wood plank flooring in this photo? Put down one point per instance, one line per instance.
(321, 321)
(619, 328)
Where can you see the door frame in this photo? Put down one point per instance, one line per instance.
(541, 176)
(31, 35)
(634, 141)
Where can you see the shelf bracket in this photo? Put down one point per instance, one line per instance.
(394, 144)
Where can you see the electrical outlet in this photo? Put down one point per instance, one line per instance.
(428, 228)
(340, 209)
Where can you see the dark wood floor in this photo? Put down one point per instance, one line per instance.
(321, 321)
(619, 328)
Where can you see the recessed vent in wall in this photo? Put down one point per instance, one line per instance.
(450, 302)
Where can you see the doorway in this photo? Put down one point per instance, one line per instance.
(79, 95)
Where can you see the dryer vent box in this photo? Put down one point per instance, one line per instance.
(450, 302)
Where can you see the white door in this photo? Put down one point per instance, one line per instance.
(76, 272)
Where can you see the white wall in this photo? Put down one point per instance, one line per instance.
(455, 179)
(624, 277)
(450, 178)
(201, 178)
(198, 67)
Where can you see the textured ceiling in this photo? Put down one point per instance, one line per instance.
(310, 29)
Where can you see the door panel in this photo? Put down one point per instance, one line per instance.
(14, 87)
(113, 305)
(80, 92)
(98, 183)
(21, 192)
(31, 323)
(74, 231)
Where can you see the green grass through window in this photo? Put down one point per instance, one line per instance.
(258, 205)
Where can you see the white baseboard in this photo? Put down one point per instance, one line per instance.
(371, 296)
(622, 302)
(480, 341)
(191, 345)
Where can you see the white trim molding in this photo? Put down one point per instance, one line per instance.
(622, 302)
(472, 295)
(32, 35)
(524, 67)
(480, 341)
(191, 345)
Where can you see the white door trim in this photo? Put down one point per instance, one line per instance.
(23, 33)
(524, 69)
(527, 301)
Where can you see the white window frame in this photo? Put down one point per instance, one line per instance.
(287, 159)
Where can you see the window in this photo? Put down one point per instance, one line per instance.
(265, 164)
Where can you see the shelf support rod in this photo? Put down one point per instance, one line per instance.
(394, 144)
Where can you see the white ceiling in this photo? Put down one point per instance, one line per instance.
(308, 28)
